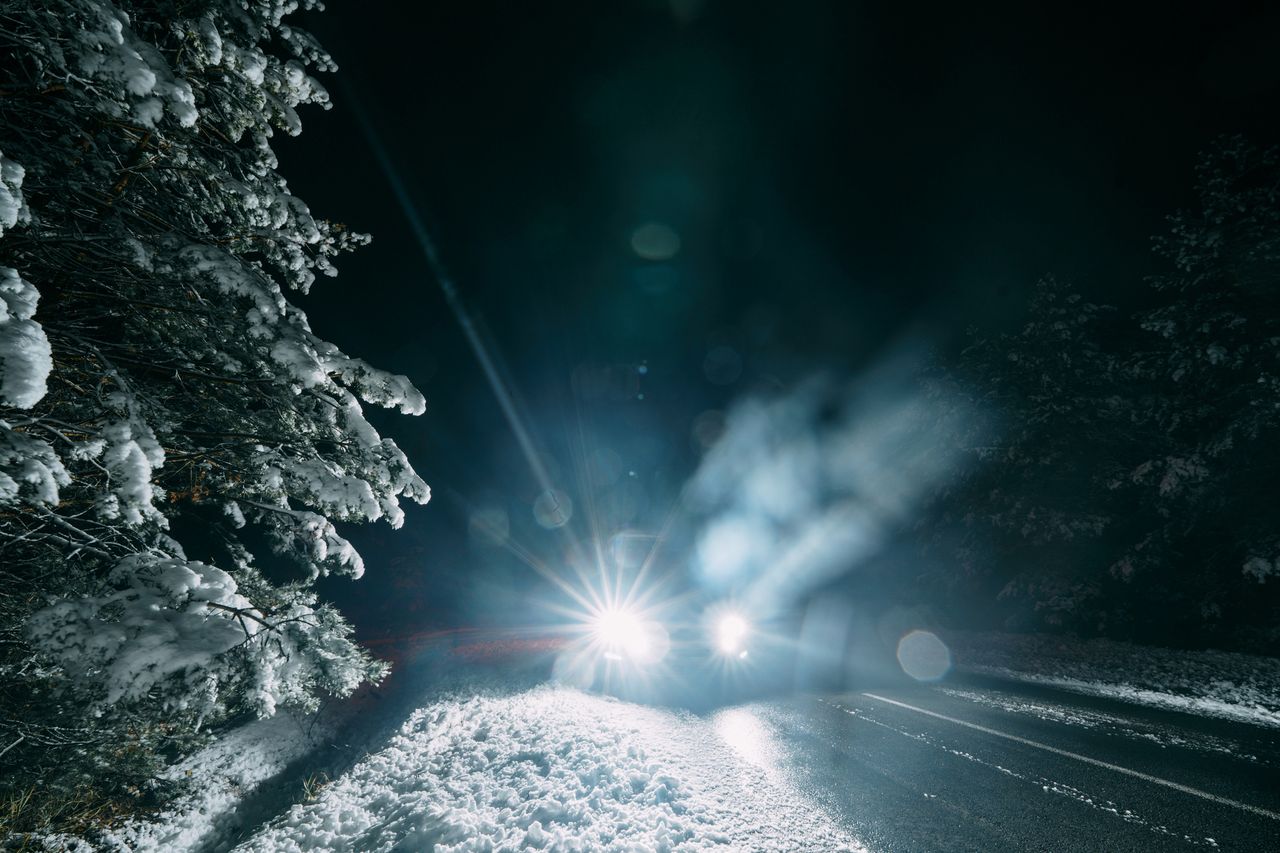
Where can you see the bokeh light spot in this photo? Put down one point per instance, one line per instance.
(655, 241)
(552, 509)
(923, 656)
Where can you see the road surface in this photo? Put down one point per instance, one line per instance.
(987, 765)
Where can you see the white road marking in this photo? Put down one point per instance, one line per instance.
(1156, 780)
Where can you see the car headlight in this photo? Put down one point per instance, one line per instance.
(621, 634)
(731, 631)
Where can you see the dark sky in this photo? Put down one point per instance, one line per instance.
(840, 176)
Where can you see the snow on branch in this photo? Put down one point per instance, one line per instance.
(159, 391)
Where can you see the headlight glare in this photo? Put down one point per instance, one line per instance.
(731, 632)
(621, 634)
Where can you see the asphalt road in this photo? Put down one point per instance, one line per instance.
(983, 765)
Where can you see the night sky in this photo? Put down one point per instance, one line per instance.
(841, 177)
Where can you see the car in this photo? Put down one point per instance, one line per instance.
(695, 655)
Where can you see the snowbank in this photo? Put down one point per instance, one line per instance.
(220, 776)
(1220, 684)
(558, 769)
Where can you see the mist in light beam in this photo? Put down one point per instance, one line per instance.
(806, 486)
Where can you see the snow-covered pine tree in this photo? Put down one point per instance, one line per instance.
(165, 410)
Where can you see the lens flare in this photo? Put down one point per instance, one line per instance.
(731, 634)
(622, 635)
(924, 656)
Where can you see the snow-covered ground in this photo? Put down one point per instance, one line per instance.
(482, 754)
(551, 767)
(219, 777)
(1221, 684)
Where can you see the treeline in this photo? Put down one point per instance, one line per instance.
(1119, 473)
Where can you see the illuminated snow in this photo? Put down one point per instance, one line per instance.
(559, 769)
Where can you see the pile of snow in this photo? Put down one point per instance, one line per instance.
(1220, 684)
(555, 768)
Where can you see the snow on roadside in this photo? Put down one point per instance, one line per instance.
(1218, 684)
(1123, 726)
(220, 776)
(555, 768)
